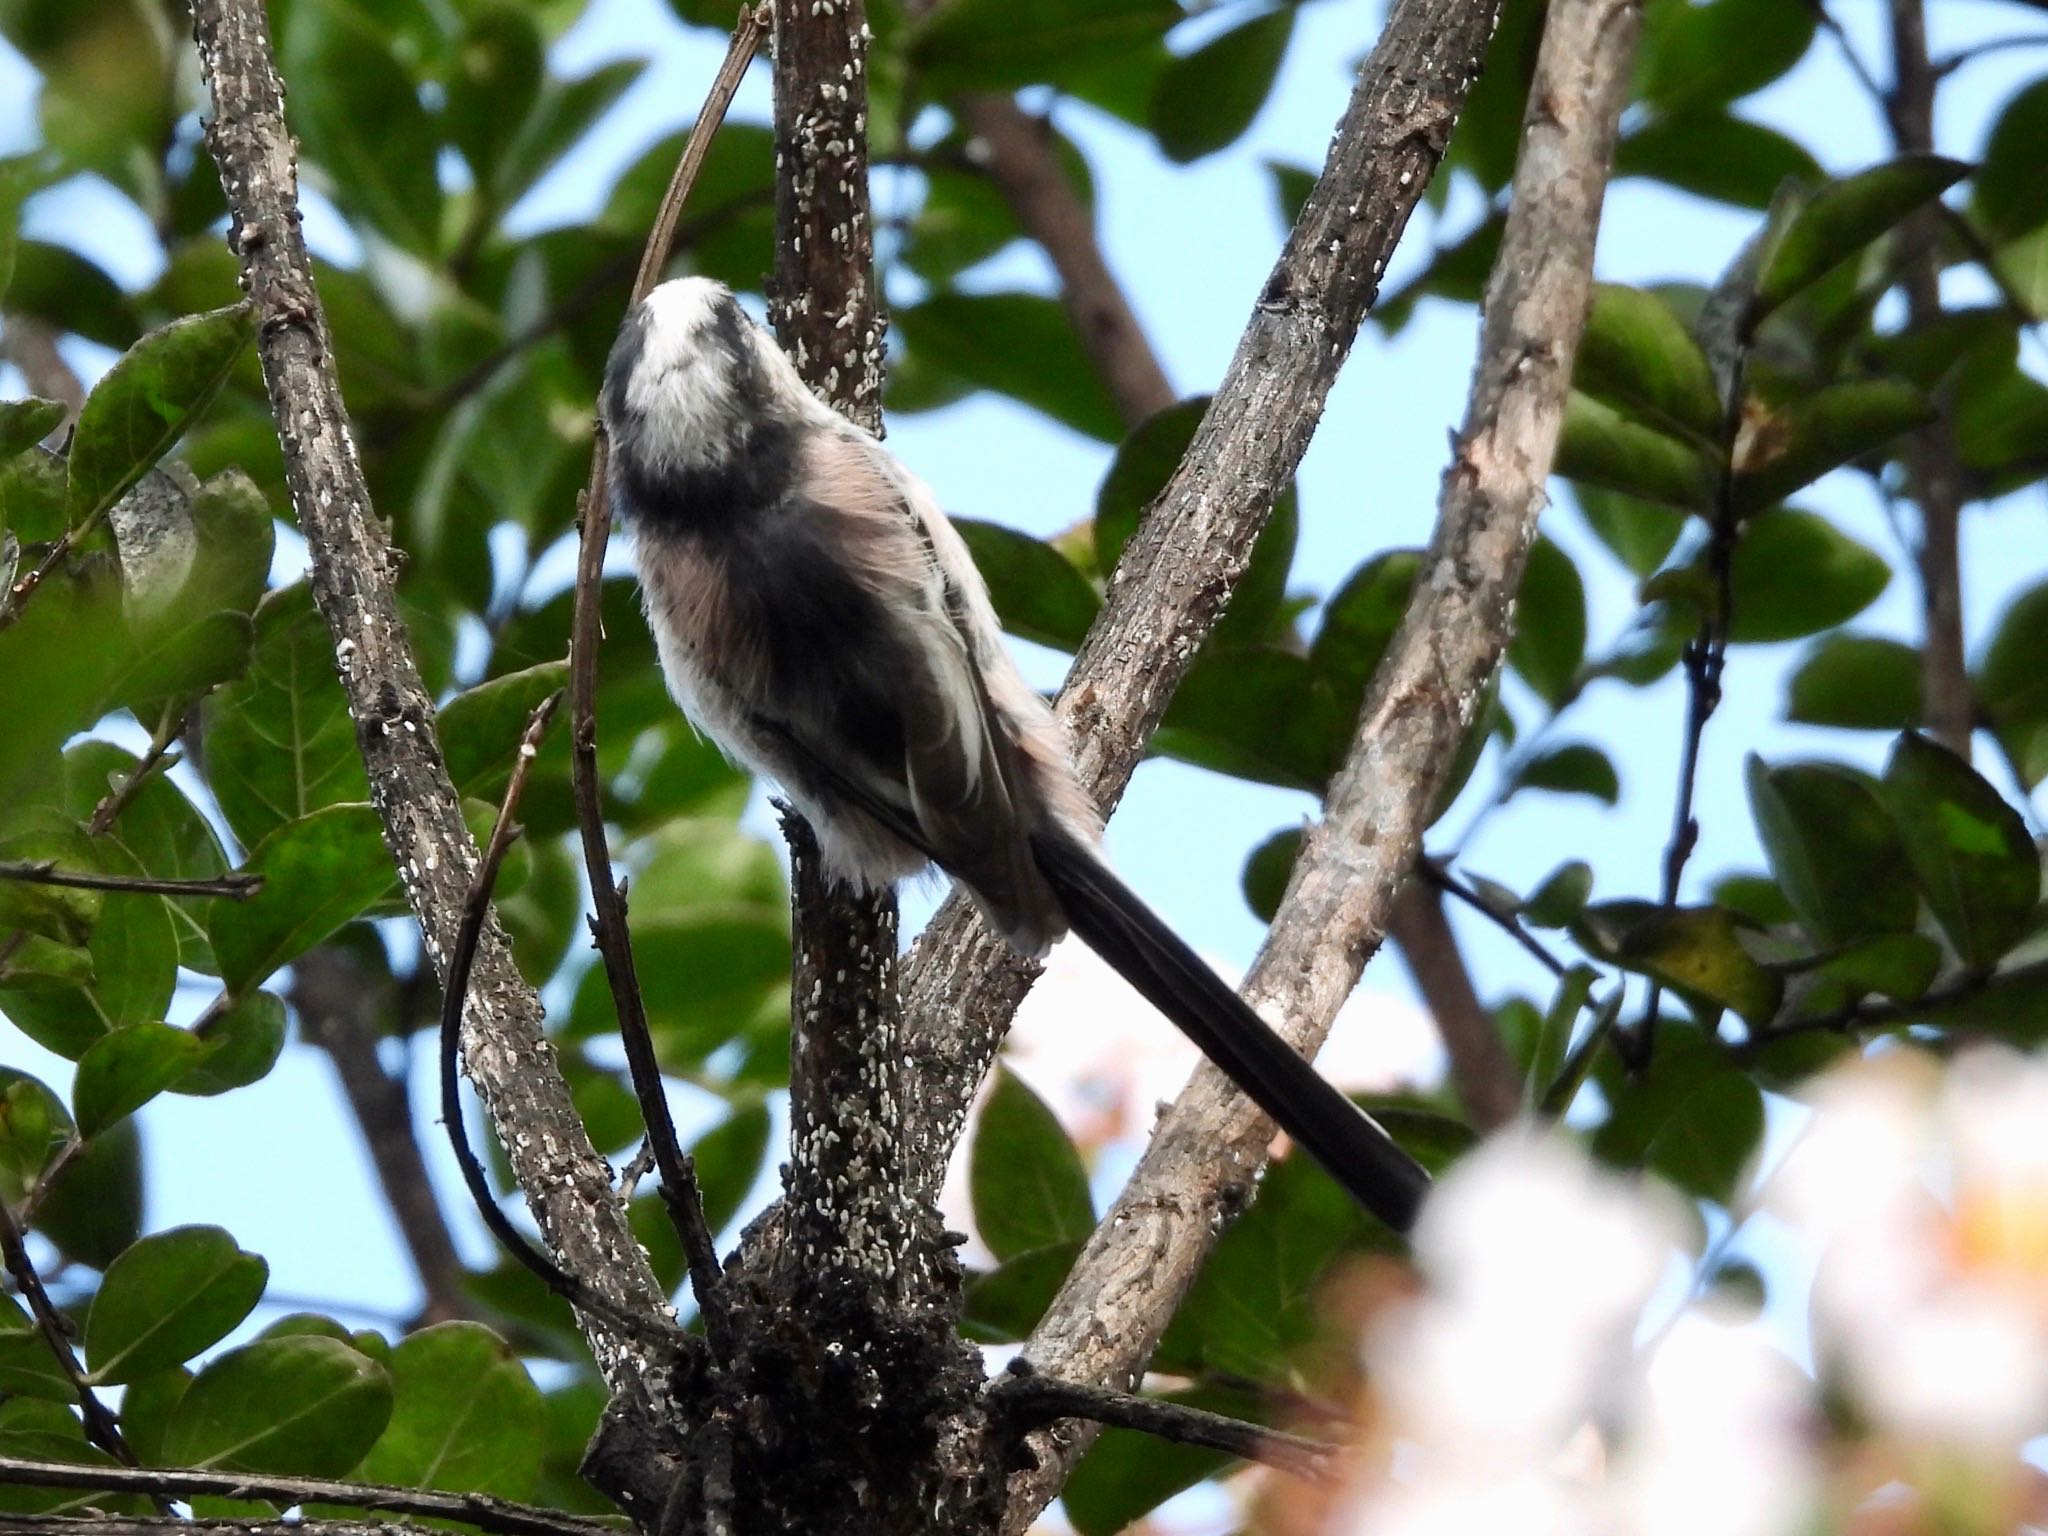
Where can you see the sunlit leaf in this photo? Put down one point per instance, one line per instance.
(1968, 850)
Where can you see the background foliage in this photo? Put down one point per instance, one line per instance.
(469, 345)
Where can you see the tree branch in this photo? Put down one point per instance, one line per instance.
(1481, 1069)
(1021, 162)
(962, 982)
(501, 1517)
(1934, 473)
(568, 1185)
(1031, 1400)
(341, 1014)
(101, 1427)
(1196, 1174)
(236, 887)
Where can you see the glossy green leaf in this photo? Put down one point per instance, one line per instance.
(33, 1125)
(1257, 714)
(1359, 621)
(319, 872)
(465, 1416)
(1550, 623)
(167, 1298)
(280, 740)
(724, 975)
(301, 1405)
(1823, 430)
(1693, 950)
(1017, 344)
(1026, 1180)
(1831, 848)
(1708, 152)
(1038, 594)
(243, 1045)
(1694, 55)
(2012, 682)
(989, 45)
(356, 106)
(93, 1209)
(1856, 682)
(1601, 447)
(1796, 574)
(1968, 850)
(1640, 533)
(1638, 357)
(2009, 191)
(1205, 100)
(122, 1071)
(480, 728)
(147, 1405)
(146, 400)
(26, 1365)
(1842, 218)
(24, 423)
(1268, 870)
(1004, 1304)
(1144, 463)
(1576, 768)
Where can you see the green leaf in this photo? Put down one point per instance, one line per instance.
(26, 1365)
(729, 970)
(1692, 950)
(1205, 100)
(1601, 447)
(1968, 850)
(32, 489)
(146, 1409)
(1637, 356)
(318, 872)
(236, 535)
(1028, 1186)
(122, 1071)
(1127, 1473)
(1856, 682)
(144, 403)
(1037, 592)
(2010, 195)
(1550, 623)
(1004, 1304)
(465, 1416)
(167, 1298)
(356, 106)
(1844, 217)
(1268, 870)
(1831, 848)
(1902, 966)
(280, 740)
(1711, 154)
(1820, 431)
(24, 423)
(480, 729)
(1639, 533)
(1705, 1146)
(1796, 574)
(991, 45)
(1573, 769)
(301, 1405)
(963, 220)
(244, 1042)
(1694, 55)
(1359, 621)
(1291, 187)
(94, 1207)
(2013, 685)
(33, 1125)
(1018, 344)
(1554, 1035)
(728, 1159)
(1559, 900)
(498, 64)
(1257, 714)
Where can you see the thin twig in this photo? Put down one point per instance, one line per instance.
(1850, 56)
(116, 800)
(570, 1287)
(1970, 55)
(101, 1427)
(1030, 1400)
(679, 1192)
(1440, 876)
(236, 887)
(1887, 1014)
(501, 1517)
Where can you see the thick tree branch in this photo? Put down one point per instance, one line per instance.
(1934, 474)
(1481, 1069)
(1195, 1175)
(1021, 162)
(501, 1517)
(962, 983)
(567, 1184)
(341, 1013)
(850, 1202)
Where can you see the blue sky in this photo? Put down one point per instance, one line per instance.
(1192, 246)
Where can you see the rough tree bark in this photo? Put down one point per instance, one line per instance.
(566, 1182)
(1196, 1174)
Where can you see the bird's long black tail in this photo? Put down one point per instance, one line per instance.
(1114, 922)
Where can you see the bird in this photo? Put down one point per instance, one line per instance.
(817, 616)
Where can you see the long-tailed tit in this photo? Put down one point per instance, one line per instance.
(818, 617)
